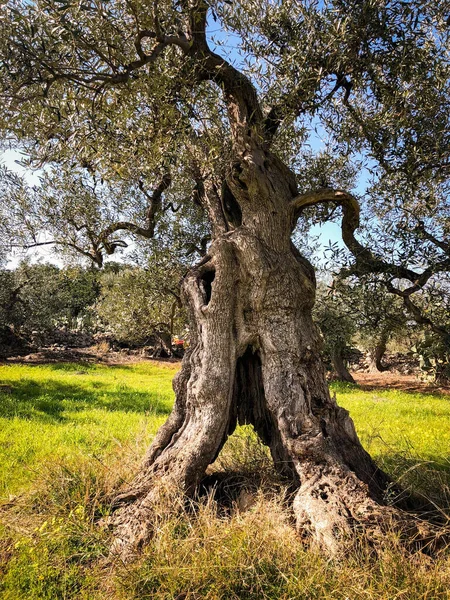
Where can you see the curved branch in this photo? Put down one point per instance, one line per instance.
(350, 220)
(146, 232)
(154, 203)
(241, 98)
(366, 261)
(294, 103)
(444, 246)
(95, 256)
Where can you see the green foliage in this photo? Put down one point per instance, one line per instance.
(133, 306)
(8, 306)
(138, 301)
(116, 99)
(132, 302)
(124, 92)
(82, 215)
(434, 354)
(334, 320)
(377, 315)
(360, 314)
(42, 297)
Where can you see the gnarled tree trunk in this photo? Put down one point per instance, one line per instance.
(377, 353)
(255, 358)
(340, 367)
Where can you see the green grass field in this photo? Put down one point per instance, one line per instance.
(70, 412)
(71, 433)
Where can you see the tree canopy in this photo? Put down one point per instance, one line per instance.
(142, 105)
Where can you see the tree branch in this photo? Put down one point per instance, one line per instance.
(240, 94)
(415, 311)
(154, 203)
(95, 256)
(293, 103)
(366, 261)
(444, 246)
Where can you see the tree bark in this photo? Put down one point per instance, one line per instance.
(340, 367)
(255, 359)
(376, 355)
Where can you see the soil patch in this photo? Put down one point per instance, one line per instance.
(406, 383)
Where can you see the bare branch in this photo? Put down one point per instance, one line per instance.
(294, 103)
(414, 310)
(154, 203)
(420, 229)
(240, 94)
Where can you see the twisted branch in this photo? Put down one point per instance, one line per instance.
(365, 261)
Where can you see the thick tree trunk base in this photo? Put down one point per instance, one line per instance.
(255, 359)
(336, 511)
(343, 374)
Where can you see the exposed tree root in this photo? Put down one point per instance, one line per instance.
(335, 510)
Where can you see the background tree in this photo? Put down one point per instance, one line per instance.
(376, 314)
(338, 327)
(132, 90)
(361, 314)
(137, 302)
(84, 215)
(42, 297)
(409, 230)
(434, 349)
(10, 311)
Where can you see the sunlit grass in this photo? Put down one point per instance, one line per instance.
(407, 433)
(69, 411)
(394, 420)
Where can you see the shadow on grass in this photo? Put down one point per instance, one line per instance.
(414, 388)
(423, 478)
(71, 367)
(82, 365)
(47, 399)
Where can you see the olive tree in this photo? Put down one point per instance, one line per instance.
(140, 300)
(142, 92)
(407, 219)
(377, 316)
(43, 297)
(338, 326)
(77, 213)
